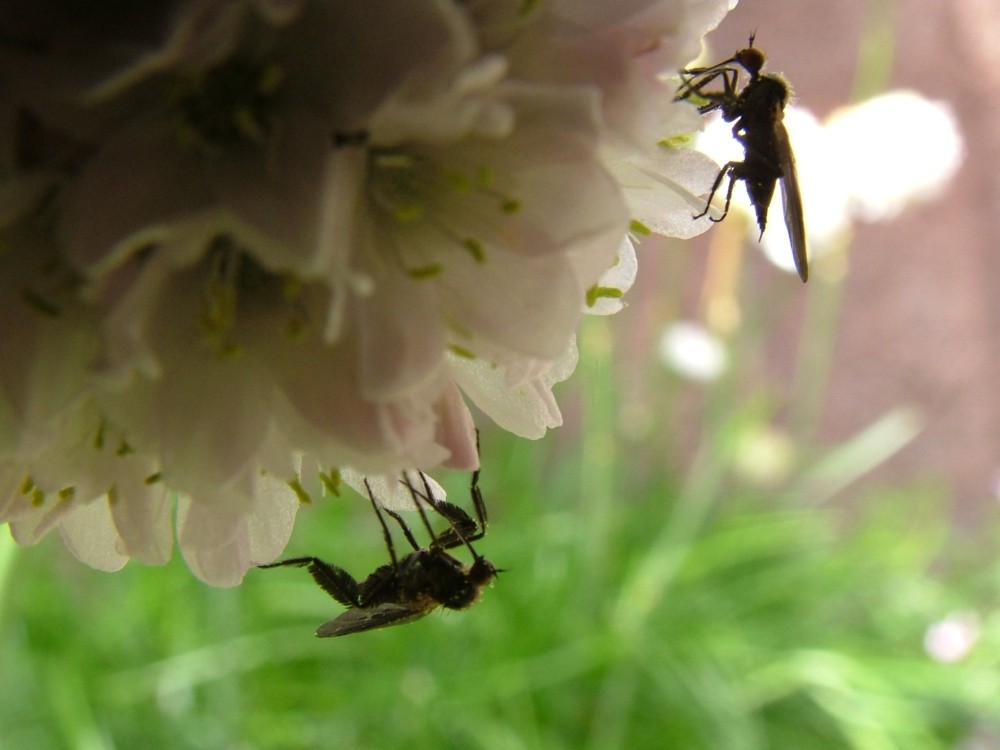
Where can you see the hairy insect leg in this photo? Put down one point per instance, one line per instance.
(463, 529)
(461, 526)
(729, 168)
(335, 581)
(455, 516)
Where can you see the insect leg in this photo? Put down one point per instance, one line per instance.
(728, 168)
(463, 528)
(335, 581)
(695, 87)
(735, 173)
(451, 513)
(477, 500)
(461, 525)
(406, 529)
(695, 79)
(454, 515)
(385, 528)
(429, 498)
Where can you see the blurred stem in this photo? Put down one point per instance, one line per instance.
(599, 450)
(876, 56)
(645, 586)
(67, 689)
(819, 333)
(609, 723)
(876, 51)
(719, 294)
(8, 548)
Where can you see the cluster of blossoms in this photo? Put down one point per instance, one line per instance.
(248, 243)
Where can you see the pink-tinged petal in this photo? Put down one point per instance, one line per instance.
(410, 425)
(456, 431)
(220, 543)
(200, 36)
(143, 516)
(214, 542)
(526, 305)
(319, 403)
(168, 414)
(401, 336)
(345, 58)
(275, 206)
(514, 272)
(270, 525)
(48, 340)
(89, 533)
(31, 524)
(667, 188)
(391, 490)
(526, 407)
(151, 186)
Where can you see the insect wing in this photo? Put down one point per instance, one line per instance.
(371, 618)
(791, 197)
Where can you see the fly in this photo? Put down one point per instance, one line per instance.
(409, 588)
(757, 114)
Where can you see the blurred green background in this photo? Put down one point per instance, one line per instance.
(656, 595)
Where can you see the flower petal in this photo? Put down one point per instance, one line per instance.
(89, 533)
(526, 408)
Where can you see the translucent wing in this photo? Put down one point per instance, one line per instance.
(371, 618)
(792, 200)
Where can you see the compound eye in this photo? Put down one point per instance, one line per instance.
(751, 59)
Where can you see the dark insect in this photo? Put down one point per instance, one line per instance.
(757, 114)
(409, 588)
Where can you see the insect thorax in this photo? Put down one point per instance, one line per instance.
(437, 575)
(763, 94)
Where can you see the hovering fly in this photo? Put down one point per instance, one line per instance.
(409, 588)
(757, 114)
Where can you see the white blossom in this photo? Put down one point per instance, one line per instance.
(952, 638)
(252, 243)
(690, 350)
